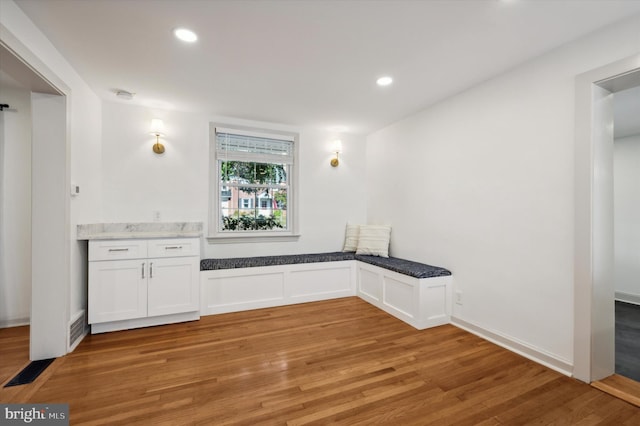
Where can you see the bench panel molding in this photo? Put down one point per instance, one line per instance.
(420, 302)
(240, 289)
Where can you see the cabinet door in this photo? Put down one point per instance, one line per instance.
(173, 285)
(117, 290)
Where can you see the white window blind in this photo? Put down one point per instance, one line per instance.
(236, 146)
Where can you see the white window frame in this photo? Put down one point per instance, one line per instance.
(248, 202)
(214, 231)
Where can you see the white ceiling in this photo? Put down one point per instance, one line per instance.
(308, 63)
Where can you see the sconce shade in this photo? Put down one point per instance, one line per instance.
(157, 127)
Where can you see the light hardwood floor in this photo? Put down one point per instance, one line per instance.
(339, 361)
(14, 351)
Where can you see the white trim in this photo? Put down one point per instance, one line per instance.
(593, 344)
(16, 322)
(105, 327)
(246, 131)
(252, 237)
(48, 335)
(628, 297)
(533, 353)
(217, 236)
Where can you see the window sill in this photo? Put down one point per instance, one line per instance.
(251, 238)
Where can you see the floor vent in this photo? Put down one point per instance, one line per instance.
(30, 373)
(76, 328)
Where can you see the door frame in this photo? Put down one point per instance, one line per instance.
(594, 289)
(51, 268)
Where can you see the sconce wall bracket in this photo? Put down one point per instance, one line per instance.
(158, 148)
(157, 127)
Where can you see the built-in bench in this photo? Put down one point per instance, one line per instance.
(414, 292)
(258, 261)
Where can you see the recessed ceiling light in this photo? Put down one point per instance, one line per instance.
(384, 81)
(185, 35)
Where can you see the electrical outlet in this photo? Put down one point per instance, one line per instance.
(458, 297)
(156, 215)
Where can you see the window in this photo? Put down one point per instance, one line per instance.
(253, 173)
(246, 203)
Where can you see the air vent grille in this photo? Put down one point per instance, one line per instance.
(76, 329)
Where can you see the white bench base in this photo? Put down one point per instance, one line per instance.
(421, 303)
(241, 289)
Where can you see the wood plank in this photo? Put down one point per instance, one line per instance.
(340, 361)
(620, 387)
(14, 351)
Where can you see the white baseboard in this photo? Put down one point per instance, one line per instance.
(105, 327)
(628, 297)
(534, 354)
(16, 322)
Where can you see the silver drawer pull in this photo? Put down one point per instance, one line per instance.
(173, 248)
(142, 269)
(151, 270)
(119, 249)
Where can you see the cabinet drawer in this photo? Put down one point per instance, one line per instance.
(117, 249)
(175, 247)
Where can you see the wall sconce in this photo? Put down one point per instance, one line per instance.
(337, 148)
(157, 127)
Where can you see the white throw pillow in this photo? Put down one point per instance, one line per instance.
(374, 240)
(351, 238)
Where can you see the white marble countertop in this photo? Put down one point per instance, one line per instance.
(119, 231)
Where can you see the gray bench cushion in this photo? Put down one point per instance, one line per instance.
(252, 262)
(406, 267)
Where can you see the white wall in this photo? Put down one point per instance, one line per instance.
(15, 207)
(83, 138)
(138, 182)
(85, 171)
(626, 185)
(482, 184)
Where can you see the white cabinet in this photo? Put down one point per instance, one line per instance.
(173, 285)
(117, 290)
(136, 283)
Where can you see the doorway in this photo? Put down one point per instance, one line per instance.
(594, 290)
(33, 206)
(626, 174)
